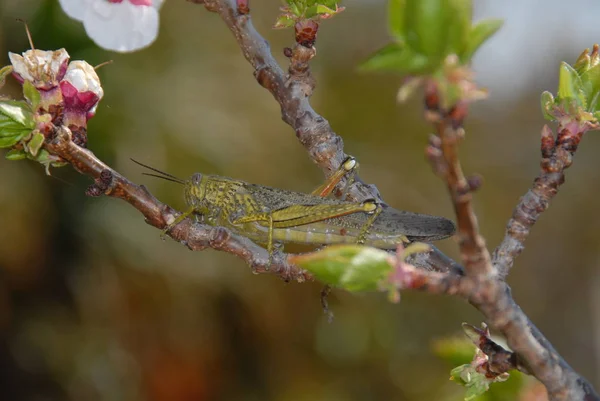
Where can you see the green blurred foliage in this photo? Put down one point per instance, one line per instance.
(94, 306)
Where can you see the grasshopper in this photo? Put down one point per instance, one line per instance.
(270, 215)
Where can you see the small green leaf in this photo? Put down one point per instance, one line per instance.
(4, 72)
(456, 374)
(394, 57)
(475, 382)
(351, 267)
(310, 12)
(321, 9)
(569, 84)
(547, 105)
(19, 112)
(35, 143)
(14, 131)
(284, 21)
(16, 154)
(479, 34)
(47, 159)
(591, 87)
(583, 62)
(479, 385)
(396, 16)
(31, 94)
(459, 26)
(295, 9)
(426, 26)
(9, 142)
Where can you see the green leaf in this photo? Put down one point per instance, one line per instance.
(4, 72)
(396, 16)
(426, 26)
(16, 154)
(475, 382)
(479, 34)
(35, 143)
(31, 94)
(583, 62)
(284, 21)
(321, 9)
(459, 26)
(9, 142)
(394, 57)
(19, 112)
(547, 105)
(351, 267)
(570, 86)
(295, 9)
(591, 87)
(479, 386)
(13, 131)
(456, 374)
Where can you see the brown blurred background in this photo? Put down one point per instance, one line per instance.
(94, 306)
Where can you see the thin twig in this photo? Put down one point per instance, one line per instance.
(443, 154)
(557, 156)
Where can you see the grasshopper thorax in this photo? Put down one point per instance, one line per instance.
(195, 190)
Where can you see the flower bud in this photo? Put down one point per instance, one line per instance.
(81, 88)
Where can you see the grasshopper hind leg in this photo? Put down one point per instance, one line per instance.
(349, 168)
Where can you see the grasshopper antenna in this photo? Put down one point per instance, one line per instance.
(28, 33)
(164, 176)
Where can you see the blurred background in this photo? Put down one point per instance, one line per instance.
(94, 306)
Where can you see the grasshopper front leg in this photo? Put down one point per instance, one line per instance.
(177, 220)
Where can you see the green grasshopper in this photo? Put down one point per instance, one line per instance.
(270, 215)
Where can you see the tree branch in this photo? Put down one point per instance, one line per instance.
(557, 156)
(443, 155)
(193, 235)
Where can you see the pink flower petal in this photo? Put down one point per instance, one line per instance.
(141, 2)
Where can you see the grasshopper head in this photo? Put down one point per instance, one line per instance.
(195, 190)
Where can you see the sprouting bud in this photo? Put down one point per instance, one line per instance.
(306, 32)
(81, 89)
(43, 68)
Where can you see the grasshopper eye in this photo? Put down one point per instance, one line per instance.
(196, 178)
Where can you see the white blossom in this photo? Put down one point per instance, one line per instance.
(117, 25)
